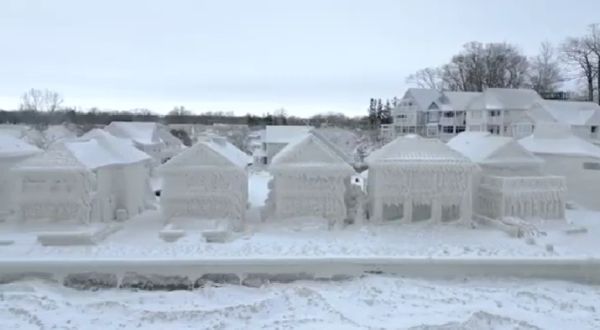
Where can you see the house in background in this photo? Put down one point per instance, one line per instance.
(152, 138)
(502, 111)
(277, 137)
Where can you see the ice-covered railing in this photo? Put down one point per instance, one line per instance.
(527, 183)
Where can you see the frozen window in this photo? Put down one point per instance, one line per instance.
(591, 166)
(460, 129)
(448, 129)
(593, 129)
(449, 114)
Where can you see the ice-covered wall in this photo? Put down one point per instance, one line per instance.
(205, 192)
(302, 192)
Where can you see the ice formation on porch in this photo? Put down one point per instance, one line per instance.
(207, 181)
(511, 182)
(414, 179)
(309, 179)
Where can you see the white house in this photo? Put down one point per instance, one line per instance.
(582, 117)
(207, 181)
(502, 111)
(431, 113)
(310, 179)
(151, 138)
(511, 181)
(277, 137)
(95, 178)
(570, 156)
(12, 151)
(414, 179)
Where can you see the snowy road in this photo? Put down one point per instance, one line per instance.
(364, 303)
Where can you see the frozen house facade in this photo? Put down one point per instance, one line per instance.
(310, 177)
(207, 181)
(12, 151)
(511, 182)
(97, 178)
(277, 137)
(149, 137)
(571, 157)
(414, 179)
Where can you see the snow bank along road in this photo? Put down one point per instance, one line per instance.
(585, 270)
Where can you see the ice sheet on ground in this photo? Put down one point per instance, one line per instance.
(364, 303)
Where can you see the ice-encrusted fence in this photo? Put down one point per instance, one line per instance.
(188, 273)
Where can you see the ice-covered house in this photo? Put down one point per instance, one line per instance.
(96, 178)
(414, 179)
(502, 111)
(12, 151)
(310, 178)
(151, 138)
(511, 182)
(207, 181)
(582, 117)
(570, 156)
(277, 137)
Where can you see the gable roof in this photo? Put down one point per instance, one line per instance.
(140, 132)
(483, 147)
(57, 158)
(285, 134)
(573, 112)
(557, 139)
(209, 151)
(415, 148)
(98, 148)
(310, 151)
(460, 100)
(11, 146)
(505, 98)
(423, 96)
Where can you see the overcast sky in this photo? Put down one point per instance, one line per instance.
(307, 56)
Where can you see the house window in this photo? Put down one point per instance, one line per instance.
(591, 166)
(448, 129)
(593, 129)
(460, 129)
(411, 129)
(449, 114)
(401, 116)
(494, 113)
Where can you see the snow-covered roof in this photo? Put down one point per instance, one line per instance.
(423, 96)
(483, 147)
(505, 98)
(310, 151)
(573, 113)
(98, 148)
(209, 151)
(460, 100)
(56, 158)
(415, 148)
(285, 134)
(557, 139)
(140, 132)
(11, 146)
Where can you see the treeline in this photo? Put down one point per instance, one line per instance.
(95, 118)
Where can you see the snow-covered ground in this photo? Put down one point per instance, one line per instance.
(139, 239)
(364, 303)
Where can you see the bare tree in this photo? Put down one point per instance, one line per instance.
(579, 55)
(545, 71)
(592, 42)
(38, 100)
(426, 78)
(180, 111)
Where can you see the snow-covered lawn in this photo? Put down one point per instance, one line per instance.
(363, 303)
(139, 239)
